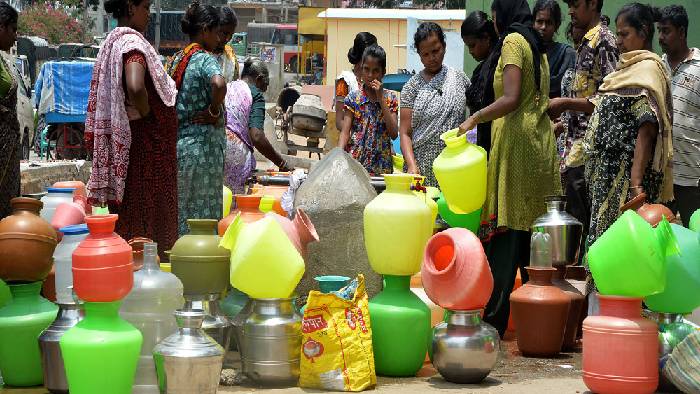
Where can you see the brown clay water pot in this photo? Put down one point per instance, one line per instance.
(48, 288)
(577, 300)
(576, 276)
(540, 311)
(249, 208)
(27, 242)
(652, 213)
(300, 230)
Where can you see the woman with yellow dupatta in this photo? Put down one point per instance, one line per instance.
(628, 142)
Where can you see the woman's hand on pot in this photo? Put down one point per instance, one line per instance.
(412, 169)
(468, 124)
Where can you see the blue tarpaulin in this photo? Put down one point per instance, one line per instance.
(61, 90)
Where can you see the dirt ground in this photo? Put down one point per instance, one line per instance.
(513, 374)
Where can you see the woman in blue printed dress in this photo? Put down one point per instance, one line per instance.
(201, 137)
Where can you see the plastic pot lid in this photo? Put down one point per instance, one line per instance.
(75, 229)
(66, 190)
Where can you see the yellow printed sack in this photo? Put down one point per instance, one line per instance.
(336, 345)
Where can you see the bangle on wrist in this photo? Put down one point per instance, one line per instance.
(212, 114)
(477, 116)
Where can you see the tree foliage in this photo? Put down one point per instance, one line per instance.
(54, 24)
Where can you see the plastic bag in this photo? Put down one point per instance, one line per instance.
(336, 345)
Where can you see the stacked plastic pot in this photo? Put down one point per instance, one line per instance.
(267, 263)
(397, 226)
(27, 243)
(70, 311)
(458, 205)
(203, 267)
(628, 263)
(456, 276)
(101, 352)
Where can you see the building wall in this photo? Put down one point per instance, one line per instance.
(391, 35)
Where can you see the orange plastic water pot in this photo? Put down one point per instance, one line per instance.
(620, 348)
(455, 272)
(102, 263)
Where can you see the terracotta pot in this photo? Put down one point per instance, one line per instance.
(575, 307)
(102, 263)
(77, 185)
(137, 251)
(540, 311)
(620, 348)
(48, 288)
(249, 208)
(652, 213)
(455, 272)
(27, 243)
(576, 276)
(300, 230)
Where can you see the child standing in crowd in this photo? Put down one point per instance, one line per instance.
(372, 120)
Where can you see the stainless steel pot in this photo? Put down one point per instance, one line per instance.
(271, 342)
(189, 361)
(564, 231)
(51, 359)
(465, 349)
(215, 324)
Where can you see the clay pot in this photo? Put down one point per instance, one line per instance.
(77, 185)
(48, 288)
(27, 242)
(137, 251)
(249, 208)
(300, 230)
(576, 276)
(652, 213)
(540, 311)
(455, 272)
(102, 263)
(577, 299)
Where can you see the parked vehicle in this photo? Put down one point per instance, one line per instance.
(275, 33)
(25, 109)
(61, 96)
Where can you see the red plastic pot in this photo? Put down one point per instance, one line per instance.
(102, 263)
(620, 348)
(455, 272)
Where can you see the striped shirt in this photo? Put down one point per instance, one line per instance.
(686, 120)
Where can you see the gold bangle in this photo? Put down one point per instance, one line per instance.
(477, 116)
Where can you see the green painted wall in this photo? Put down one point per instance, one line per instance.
(610, 8)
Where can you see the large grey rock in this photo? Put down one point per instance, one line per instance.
(334, 196)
